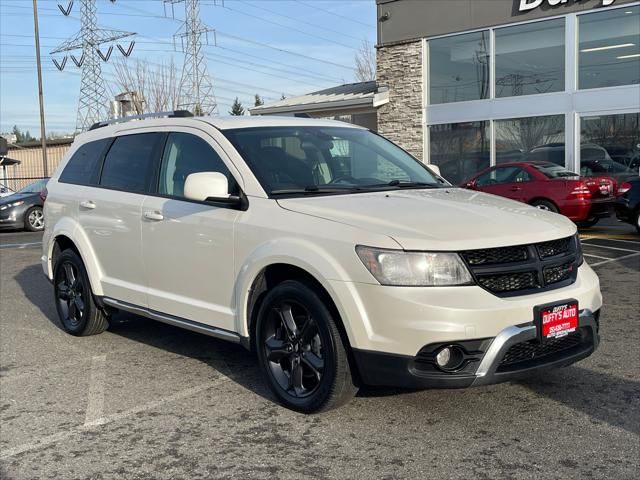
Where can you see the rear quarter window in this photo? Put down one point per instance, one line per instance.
(82, 167)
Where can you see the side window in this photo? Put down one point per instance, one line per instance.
(185, 154)
(487, 178)
(502, 175)
(82, 166)
(521, 175)
(128, 165)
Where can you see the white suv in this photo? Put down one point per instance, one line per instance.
(326, 249)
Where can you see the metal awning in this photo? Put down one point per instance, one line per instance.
(348, 97)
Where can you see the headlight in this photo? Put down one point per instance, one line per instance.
(11, 205)
(414, 269)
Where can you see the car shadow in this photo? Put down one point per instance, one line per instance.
(603, 397)
(606, 398)
(229, 359)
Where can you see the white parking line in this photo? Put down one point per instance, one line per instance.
(624, 257)
(20, 245)
(95, 400)
(597, 256)
(609, 248)
(56, 437)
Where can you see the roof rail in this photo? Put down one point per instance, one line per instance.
(171, 114)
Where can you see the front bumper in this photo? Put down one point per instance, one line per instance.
(493, 362)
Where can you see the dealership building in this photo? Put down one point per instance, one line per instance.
(474, 83)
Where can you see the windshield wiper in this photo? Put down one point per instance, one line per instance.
(314, 189)
(403, 184)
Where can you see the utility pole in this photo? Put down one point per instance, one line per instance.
(93, 100)
(196, 90)
(43, 136)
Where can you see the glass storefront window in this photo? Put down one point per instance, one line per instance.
(610, 145)
(530, 58)
(609, 48)
(530, 139)
(459, 68)
(460, 149)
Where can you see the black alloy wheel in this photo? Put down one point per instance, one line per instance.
(294, 349)
(75, 304)
(300, 349)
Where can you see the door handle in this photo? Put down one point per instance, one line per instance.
(515, 189)
(88, 204)
(154, 216)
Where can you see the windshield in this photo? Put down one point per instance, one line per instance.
(551, 170)
(35, 187)
(320, 160)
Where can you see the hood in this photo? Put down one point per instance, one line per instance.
(438, 219)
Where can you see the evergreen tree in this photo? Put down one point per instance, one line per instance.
(236, 108)
(258, 101)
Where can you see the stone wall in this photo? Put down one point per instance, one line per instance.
(400, 120)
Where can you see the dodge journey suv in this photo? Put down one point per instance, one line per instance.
(330, 252)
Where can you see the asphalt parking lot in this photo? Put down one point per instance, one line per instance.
(146, 400)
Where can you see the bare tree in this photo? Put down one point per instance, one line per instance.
(366, 62)
(156, 86)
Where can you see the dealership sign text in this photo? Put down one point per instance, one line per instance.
(526, 5)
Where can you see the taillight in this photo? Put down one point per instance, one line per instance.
(624, 188)
(43, 194)
(581, 191)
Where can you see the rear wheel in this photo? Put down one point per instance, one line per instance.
(76, 307)
(637, 220)
(300, 350)
(545, 205)
(34, 219)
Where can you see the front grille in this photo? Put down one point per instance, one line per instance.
(491, 256)
(554, 247)
(522, 269)
(558, 273)
(534, 351)
(509, 282)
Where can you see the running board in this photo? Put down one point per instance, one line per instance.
(175, 321)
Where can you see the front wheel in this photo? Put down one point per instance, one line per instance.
(300, 350)
(34, 219)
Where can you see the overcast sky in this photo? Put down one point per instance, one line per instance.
(245, 56)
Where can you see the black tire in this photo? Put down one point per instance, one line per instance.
(636, 219)
(77, 310)
(34, 219)
(588, 223)
(545, 205)
(306, 367)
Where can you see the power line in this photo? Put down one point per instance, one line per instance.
(289, 27)
(344, 17)
(299, 20)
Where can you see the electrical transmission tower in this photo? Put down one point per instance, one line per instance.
(92, 105)
(196, 89)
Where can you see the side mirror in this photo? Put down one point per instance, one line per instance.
(203, 186)
(434, 168)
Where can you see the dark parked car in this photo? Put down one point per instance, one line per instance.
(628, 202)
(550, 187)
(23, 209)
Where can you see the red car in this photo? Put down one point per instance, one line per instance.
(550, 187)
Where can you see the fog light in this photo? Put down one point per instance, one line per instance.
(450, 358)
(443, 357)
